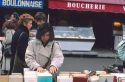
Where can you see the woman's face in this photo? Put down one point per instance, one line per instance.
(40, 22)
(45, 37)
(12, 17)
(28, 25)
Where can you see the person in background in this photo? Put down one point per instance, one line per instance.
(40, 19)
(15, 16)
(9, 32)
(43, 52)
(19, 43)
(6, 18)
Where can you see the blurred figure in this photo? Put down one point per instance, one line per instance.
(19, 43)
(9, 25)
(9, 32)
(6, 18)
(15, 16)
(40, 19)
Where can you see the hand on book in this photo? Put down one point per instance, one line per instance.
(40, 69)
(52, 69)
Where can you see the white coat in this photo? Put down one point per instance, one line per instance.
(38, 55)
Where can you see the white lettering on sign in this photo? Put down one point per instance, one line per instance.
(22, 3)
(86, 5)
(124, 8)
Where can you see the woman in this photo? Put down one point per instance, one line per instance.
(10, 28)
(9, 25)
(9, 32)
(43, 52)
(20, 42)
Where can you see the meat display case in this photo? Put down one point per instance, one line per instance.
(73, 39)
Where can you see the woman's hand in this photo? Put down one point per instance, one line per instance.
(40, 69)
(52, 69)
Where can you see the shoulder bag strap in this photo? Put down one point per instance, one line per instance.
(1, 60)
(50, 55)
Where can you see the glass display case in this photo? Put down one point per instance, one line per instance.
(74, 38)
(73, 32)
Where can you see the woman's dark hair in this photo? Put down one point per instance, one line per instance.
(40, 16)
(16, 15)
(10, 24)
(46, 28)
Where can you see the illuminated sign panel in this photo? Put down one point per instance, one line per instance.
(22, 3)
(85, 6)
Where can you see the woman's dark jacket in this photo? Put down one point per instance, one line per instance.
(20, 42)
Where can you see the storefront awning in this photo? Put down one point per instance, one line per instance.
(115, 6)
(120, 2)
(22, 3)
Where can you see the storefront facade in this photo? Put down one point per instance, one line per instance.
(99, 14)
(86, 5)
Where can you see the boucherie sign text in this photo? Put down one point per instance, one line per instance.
(86, 6)
(22, 3)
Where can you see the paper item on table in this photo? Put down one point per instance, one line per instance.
(46, 73)
(64, 79)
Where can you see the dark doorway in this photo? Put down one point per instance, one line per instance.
(102, 26)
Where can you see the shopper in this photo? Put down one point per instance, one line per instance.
(20, 42)
(43, 52)
(9, 32)
(15, 16)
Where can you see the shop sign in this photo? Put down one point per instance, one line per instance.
(118, 2)
(86, 6)
(22, 3)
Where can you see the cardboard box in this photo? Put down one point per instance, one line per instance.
(4, 78)
(44, 77)
(64, 73)
(80, 78)
(121, 79)
(30, 76)
(93, 78)
(118, 75)
(64, 79)
(107, 78)
(16, 77)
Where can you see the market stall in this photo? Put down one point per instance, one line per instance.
(98, 14)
